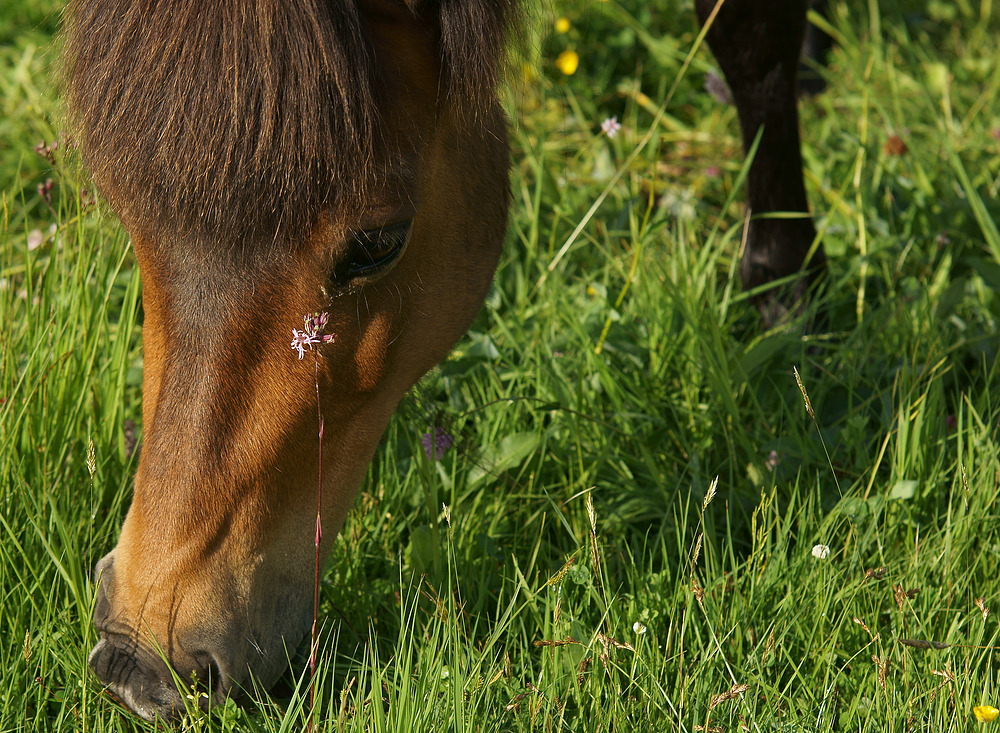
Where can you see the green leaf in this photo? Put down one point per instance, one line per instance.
(903, 490)
(506, 454)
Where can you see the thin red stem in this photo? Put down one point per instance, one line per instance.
(319, 537)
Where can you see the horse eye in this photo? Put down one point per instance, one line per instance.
(371, 252)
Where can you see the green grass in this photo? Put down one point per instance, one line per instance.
(582, 579)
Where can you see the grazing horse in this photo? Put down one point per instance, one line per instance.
(272, 158)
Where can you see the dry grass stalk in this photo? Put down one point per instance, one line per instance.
(733, 692)
(515, 704)
(902, 595)
(871, 634)
(581, 672)
(883, 670)
(875, 573)
(981, 605)
(565, 641)
(608, 642)
(699, 592)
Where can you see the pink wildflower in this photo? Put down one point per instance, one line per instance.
(611, 126)
(311, 333)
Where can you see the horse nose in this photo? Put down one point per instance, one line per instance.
(144, 685)
(144, 682)
(138, 675)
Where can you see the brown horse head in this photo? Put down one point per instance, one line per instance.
(273, 158)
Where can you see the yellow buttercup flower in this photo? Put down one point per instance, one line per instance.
(985, 713)
(568, 62)
(562, 25)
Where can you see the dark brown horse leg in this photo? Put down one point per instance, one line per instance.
(815, 46)
(757, 44)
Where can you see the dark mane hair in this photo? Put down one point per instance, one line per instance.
(245, 117)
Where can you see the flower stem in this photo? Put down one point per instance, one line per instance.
(319, 537)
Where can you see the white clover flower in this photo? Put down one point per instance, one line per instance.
(820, 552)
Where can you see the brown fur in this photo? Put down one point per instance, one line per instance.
(287, 123)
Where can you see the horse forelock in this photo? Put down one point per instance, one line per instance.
(244, 118)
(219, 117)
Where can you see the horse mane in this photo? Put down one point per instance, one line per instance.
(241, 118)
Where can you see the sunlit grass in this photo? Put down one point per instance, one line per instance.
(562, 567)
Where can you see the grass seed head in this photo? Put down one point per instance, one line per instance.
(903, 595)
(91, 458)
(733, 692)
(699, 592)
(697, 550)
(805, 395)
(710, 494)
(965, 485)
(883, 669)
(876, 573)
(863, 625)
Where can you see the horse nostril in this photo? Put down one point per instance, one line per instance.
(210, 675)
(139, 680)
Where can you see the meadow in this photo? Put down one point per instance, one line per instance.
(656, 514)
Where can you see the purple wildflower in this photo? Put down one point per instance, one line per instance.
(311, 333)
(436, 443)
(611, 126)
